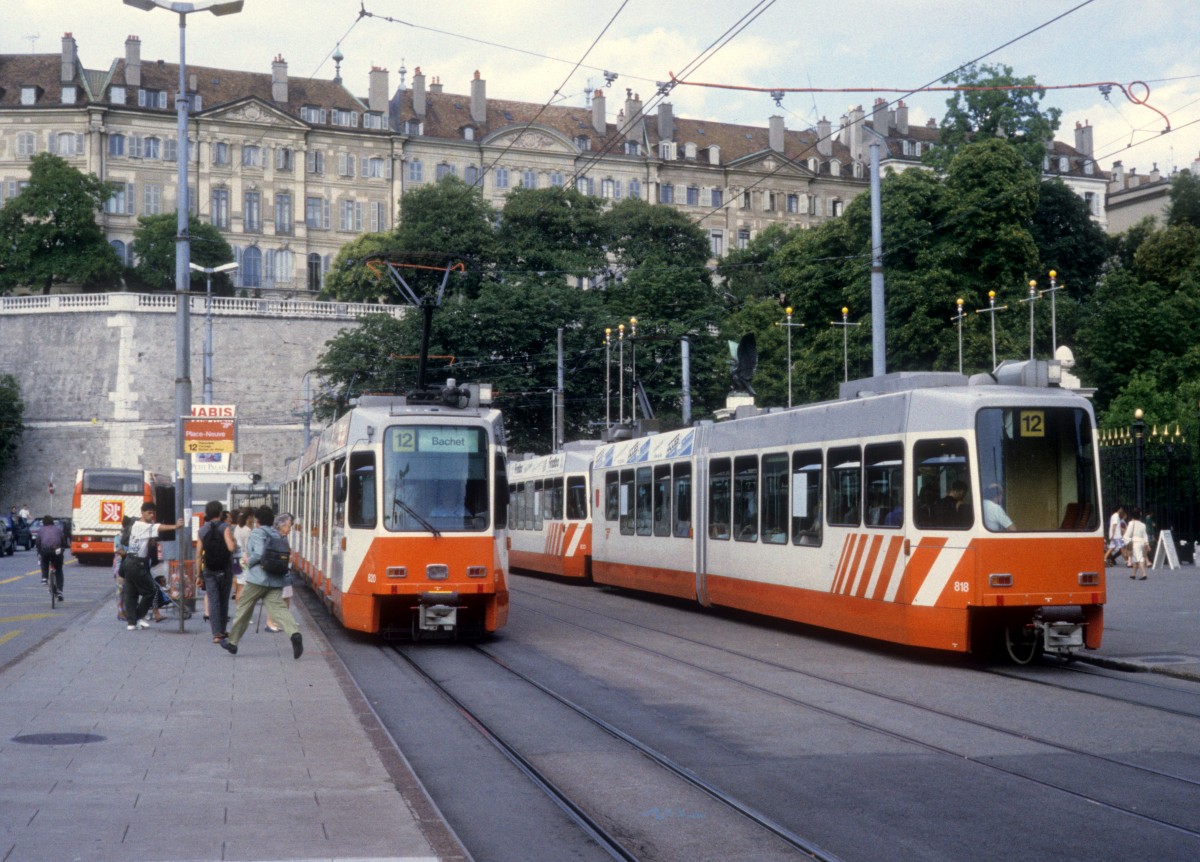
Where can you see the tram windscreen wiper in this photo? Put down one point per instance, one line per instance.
(415, 516)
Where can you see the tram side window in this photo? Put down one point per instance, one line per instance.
(361, 509)
(720, 497)
(554, 499)
(539, 502)
(576, 498)
(745, 498)
(942, 485)
(644, 508)
(806, 498)
(662, 500)
(774, 499)
(885, 484)
(683, 500)
(626, 502)
(339, 506)
(845, 487)
(612, 496)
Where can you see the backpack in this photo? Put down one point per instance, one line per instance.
(126, 530)
(276, 557)
(216, 555)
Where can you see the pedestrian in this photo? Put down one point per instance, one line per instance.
(1135, 540)
(120, 548)
(1116, 536)
(262, 585)
(50, 553)
(241, 535)
(215, 548)
(135, 568)
(25, 513)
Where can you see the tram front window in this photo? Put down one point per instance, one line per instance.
(435, 479)
(1037, 469)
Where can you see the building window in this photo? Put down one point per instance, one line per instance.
(768, 201)
(116, 145)
(373, 120)
(151, 148)
(793, 204)
(1064, 166)
(251, 156)
(718, 197)
(529, 179)
(608, 189)
(152, 99)
(68, 95)
(170, 150)
(745, 204)
(375, 168)
(584, 186)
(311, 114)
(666, 193)
(315, 213)
(314, 161)
(220, 208)
(1090, 199)
(556, 179)
(500, 177)
(716, 242)
(693, 196)
(151, 199)
(29, 95)
(26, 144)
(471, 175)
(283, 159)
(252, 212)
(378, 216)
(635, 189)
(412, 127)
(342, 117)
(314, 272)
(251, 268)
(633, 148)
(283, 214)
(583, 142)
(116, 95)
(416, 171)
(444, 170)
(345, 164)
(121, 202)
(836, 207)
(350, 216)
(122, 252)
(220, 153)
(743, 239)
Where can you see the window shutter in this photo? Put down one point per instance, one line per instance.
(129, 199)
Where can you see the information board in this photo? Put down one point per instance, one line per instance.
(1165, 551)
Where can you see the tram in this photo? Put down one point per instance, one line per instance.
(550, 529)
(926, 509)
(400, 510)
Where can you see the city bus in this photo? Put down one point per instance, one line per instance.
(105, 495)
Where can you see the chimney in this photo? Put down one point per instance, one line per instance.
(599, 119)
(69, 57)
(824, 137)
(377, 91)
(901, 118)
(634, 121)
(418, 92)
(1133, 180)
(666, 122)
(133, 62)
(1083, 139)
(279, 79)
(879, 116)
(1117, 181)
(775, 133)
(852, 134)
(1155, 175)
(479, 99)
(435, 86)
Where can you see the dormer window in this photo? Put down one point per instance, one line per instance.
(583, 142)
(835, 168)
(633, 148)
(69, 95)
(468, 133)
(412, 127)
(312, 114)
(1064, 165)
(667, 151)
(373, 120)
(29, 95)
(814, 165)
(689, 151)
(152, 99)
(116, 95)
(1089, 167)
(343, 118)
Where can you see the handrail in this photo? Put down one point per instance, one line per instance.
(57, 303)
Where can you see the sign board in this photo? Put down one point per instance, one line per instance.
(214, 411)
(1166, 550)
(208, 435)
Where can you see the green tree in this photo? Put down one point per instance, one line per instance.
(49, 234)
(12, 412)
(1068, 239)
(367, 357)
(1185, 200)
(554, 231)
(154, 247)
(980, 113)
(350, 279)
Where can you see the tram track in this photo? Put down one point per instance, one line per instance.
(1063, 668)
(576, 811)
(894, 699)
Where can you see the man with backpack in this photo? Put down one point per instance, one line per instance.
(268, 554)
(214, 550)
(50, 553)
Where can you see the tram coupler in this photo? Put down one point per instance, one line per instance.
(437, 611)
(1061, 630)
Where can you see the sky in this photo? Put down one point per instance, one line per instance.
(527, 50)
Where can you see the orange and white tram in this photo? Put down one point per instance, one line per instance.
(931, 510)
(401, 507)
(549, 527)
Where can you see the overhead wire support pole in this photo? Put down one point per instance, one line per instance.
(427, 303)
(878, 321)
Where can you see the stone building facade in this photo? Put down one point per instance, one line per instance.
(290, 169)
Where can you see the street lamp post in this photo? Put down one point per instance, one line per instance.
(208, 347)
(1053, 289)
(183, 380)
(608, 378)
(788, 323)
(959, 319)
(991, 310)
(633, 371)
(845, 324)
(1033, 297)
(621, 374)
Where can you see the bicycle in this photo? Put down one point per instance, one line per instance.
(52, 567)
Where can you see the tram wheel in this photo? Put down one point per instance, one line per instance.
(416, 628)
(1022, 643)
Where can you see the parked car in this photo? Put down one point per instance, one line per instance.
(7, 544)
(22, 531)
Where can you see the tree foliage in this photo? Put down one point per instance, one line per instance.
(49, 234)
(12, 413)
(1185, 200)
(154, 246)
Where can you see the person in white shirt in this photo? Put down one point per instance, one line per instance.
(1137, 542)
(135, 569)
(1116, 537)
(994, 516)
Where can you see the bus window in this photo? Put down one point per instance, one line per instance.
(626, 502)
(720, 498)
(745, 498)
(774, 499)
(683, 500)
(361, 505)
(576, 498)
(806, 498)
(942, 485)
(662, 500)
(845, 487)
(885, 484)
(1037, 469)
(644, 509)
(612, 496)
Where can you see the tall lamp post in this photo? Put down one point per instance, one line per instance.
(991, 310)
(845, 324)
(208, 348)
(607, 379)
(788, 323)
(959, 319)
(1033, 297)
(1053, 289)
(183, 380)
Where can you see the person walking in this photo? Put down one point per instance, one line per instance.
(1116, 536)
(215, 547)
(241, 535)
(50, 553)
(1136, 541)
(135, 568)
(260, 584)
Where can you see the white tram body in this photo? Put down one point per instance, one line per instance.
(843, 514)
(549, 525)
(400, 515)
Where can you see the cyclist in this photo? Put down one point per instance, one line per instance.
(50, 552)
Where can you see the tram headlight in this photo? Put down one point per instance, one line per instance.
(437, 571)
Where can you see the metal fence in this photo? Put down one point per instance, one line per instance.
(1155, 469)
